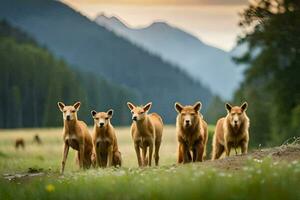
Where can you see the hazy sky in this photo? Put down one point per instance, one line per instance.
(212, 21)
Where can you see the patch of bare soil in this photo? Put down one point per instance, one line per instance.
(31, 172)
(286, 153)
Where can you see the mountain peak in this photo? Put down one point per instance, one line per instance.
(102, 18)
(159, 25)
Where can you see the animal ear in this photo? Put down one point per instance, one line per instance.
(197, 106)
(228, 107)
(178, 107)
(130, 106)
(93, 112)
(110, 112)
(147, 107)
(244, 106)
(77, 105)
(60, 105)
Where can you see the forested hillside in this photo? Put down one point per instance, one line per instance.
(32, 80)
(91, 48)
(272, 84)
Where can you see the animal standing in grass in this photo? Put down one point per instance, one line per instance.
(75, 135)
(37, 139)
(19, 142)
(231, 131)
(146, 131)
(104, 140)
(191, 133)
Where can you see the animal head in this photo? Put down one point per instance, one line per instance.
(69, 112)
(139, 112)
(236, 114)
(102, 119)
(188, 115)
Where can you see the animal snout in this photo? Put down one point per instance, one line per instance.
(101, 124)
(68, 117)
(134, 118)
(187, 122)
(235, 121)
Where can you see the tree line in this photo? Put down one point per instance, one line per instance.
(272, 84)
(32, 80)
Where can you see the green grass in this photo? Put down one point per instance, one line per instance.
(258, 179)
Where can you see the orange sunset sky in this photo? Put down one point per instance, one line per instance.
(212, 21)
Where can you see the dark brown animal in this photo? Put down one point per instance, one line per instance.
(20, 143)
(37, 139)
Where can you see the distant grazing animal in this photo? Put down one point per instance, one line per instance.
(105, 143)
(231, 131)
(19, 142)
(75, 135)
(146, 132)
(192, 133)
(37, 139)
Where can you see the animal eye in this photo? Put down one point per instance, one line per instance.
(106, 118)
(132, 112)
(96, 118)
(73, 111)
(142, 112)
(65, 111)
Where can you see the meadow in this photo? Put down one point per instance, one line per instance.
(33, 173)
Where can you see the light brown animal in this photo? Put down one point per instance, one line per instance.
(191, 133)
(106, 151)
(231, 131)
(146, 132)
(19, 142)
(75, 135)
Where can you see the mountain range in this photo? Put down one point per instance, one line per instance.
(89, 47)
(210, 65)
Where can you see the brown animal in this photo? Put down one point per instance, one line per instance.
(75, 135)
(105, 143)
(231, 131)
(146, 132)
(191, 133)
(20, 143)
(37, 139)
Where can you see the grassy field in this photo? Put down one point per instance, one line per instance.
(267, 174)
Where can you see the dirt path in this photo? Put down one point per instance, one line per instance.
(284, 153)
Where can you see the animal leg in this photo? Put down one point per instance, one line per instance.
(110, 156)
(227, 148)
(150, 154)
(218, 150)
(138, 154)
(198, 152)
(180, 154)
(65, 155)
(144, 156)
(81, 155)
(244, 147)
(186, 154)
(156, 152)
(117, 159)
